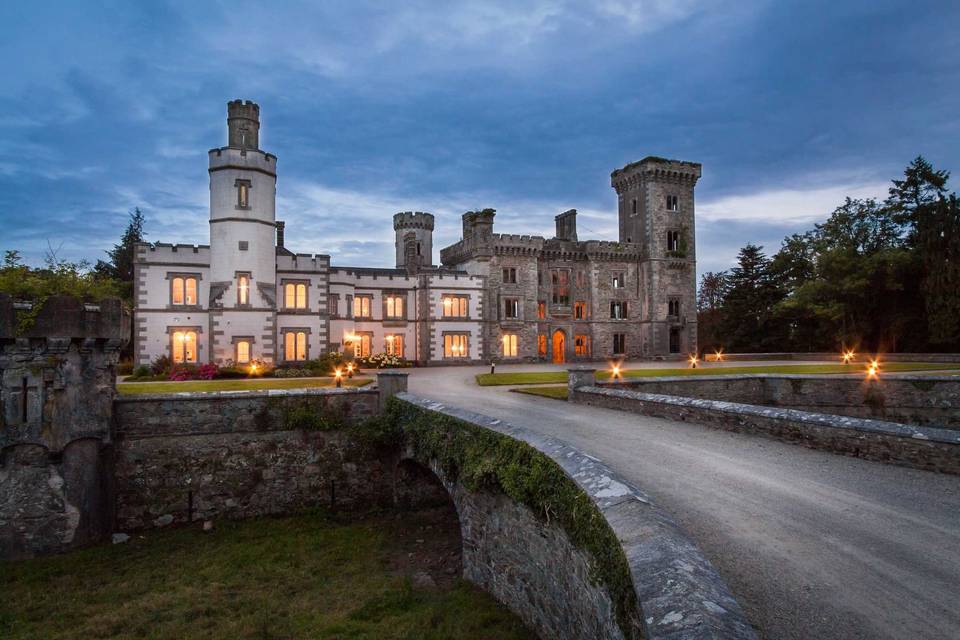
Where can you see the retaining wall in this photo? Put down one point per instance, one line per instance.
(910, 399)
(835, 357)
(919, 447)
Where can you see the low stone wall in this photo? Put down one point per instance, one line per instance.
(919, 447)
(835, 357)
(197, 456)
(612, 566)
(910, 399)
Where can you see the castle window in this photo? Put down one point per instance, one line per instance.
(333, 305)
(361, 306)
(183, 346)
(542, 309)
(455, 345)
(581, 279)
(393, 307)
(673, 307)
(243, 194)
(619, 280)
(634, 206)
(509, 345)
(560, 278)
(243, 288)
(243, 351)
(361, 345)
(295, 345)
(618, 310)
(183, 291)
(295, 295)
(673, 241)
(454, 306)
(673, 203)
(580, 310)
(243, 245)
(511, 308)
(619, 343)
(542, 344)
(510, 275)
(394, 346)
(581, 345)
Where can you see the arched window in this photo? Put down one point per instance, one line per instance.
(183, 291)
(243, 351)
(184, 346)
(243, 289)
(295, 295)
(295, 346)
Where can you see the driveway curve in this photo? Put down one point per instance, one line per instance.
(812, 544)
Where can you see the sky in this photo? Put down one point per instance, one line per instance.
(525, 107)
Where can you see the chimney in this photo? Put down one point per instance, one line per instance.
(280, 228)
(567, 225)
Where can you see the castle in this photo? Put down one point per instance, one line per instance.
(247, 297)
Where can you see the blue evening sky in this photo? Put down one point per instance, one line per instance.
(526, 107)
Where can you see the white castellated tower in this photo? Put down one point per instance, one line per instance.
(243, 271)
(421, 226)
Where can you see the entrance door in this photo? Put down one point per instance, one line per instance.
(674, 340)
(559, 346)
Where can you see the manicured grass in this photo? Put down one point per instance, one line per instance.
(309, 576)
(136, 388)
(545, 377)
(558, 392)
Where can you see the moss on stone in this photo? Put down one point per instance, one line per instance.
(923, 385)
(481, 459)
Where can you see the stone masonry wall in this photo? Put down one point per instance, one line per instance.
(193, 457)
(918, 447)
(920, 400)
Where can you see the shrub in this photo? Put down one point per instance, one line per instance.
(233, 372)
(143, 371)
(193, 372)
(383, 361)
(161, 365)
(125, 368)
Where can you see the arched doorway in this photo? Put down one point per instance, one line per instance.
(559, 346)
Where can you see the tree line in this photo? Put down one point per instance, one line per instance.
(877, 276)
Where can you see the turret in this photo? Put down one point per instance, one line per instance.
(243, 122)
(478, 224)
(420, 224)
(567, 225)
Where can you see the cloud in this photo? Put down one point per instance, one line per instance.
(787, 205)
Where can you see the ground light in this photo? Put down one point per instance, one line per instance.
(719, 354)
(693, 361)
(847, 356)
(349, 369)
(338, 375)
(615, 373)
(873, 371)
(253, 369)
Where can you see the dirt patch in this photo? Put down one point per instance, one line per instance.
(425, 545)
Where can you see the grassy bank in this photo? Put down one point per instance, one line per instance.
(257, 384)
(300, 577)
(547, 377)
(558, 392)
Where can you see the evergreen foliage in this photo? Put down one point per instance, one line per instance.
(123, 254)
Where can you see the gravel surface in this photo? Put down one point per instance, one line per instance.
(813, 544)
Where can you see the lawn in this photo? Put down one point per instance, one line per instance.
(309, 576)
(137, 388)
(558, 392)
(546, 377)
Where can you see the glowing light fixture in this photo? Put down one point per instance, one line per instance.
(693, 361)
(847, 356)
(338, 376)
(719, 355)
(873, 370)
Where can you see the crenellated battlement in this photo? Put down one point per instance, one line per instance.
(242, 158)
(656, 169)
(243, 124)
(413, 220)
(174, 253)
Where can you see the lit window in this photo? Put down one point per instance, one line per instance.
(510, 345)
(243, 289)
(243, 193)
(454, 306)
(510, 275)
(243, 351)
(183, 291)
(511, 308)
(542, 344)
(361, 306)
(455, 345)
(361, 346)
(561, 287)
(295, 295)
(618, 310)
(580, 310)
(542, 309)
(673, 203)
(295, 346)
(394, 346)
(184, 346)
(619, 343)
(619, 280)
(581, 345)
(394, 307)
(673, 240)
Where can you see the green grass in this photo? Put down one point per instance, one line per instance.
(136, 388)
(546, 377)
(300, 577)
(558, 392)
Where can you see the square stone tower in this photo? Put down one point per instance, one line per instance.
(656, 211)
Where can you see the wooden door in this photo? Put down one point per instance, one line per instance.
(559, 346)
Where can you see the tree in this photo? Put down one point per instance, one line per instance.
(747, 320)
(938, 240)
(710, 298)
(123, 254)
(922, 185)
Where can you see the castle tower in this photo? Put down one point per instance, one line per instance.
(656, 211)
(243, 188)
(421, 225)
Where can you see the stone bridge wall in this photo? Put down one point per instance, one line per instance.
(911, 399)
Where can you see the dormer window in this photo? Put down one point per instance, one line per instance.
(243, 194)
(673, 203)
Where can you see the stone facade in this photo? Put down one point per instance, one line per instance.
(56, 395)
(919, 400)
